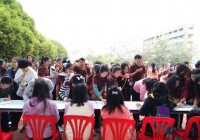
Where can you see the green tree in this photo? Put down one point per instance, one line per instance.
(18, 36)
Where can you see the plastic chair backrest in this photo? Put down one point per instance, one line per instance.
(38, 123)
(78, 125)
(159, 126)
(118, 127)
(1, 135)
(196, 120)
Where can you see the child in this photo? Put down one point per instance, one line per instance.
(158, 97)
(124, 81)
(40, 104)
(5, 91)
(79, 106)
(100, 83)
(24, 75)
(67, 88)
(115, 108)
(95, 70)
(112, 79)
(144, 87)
(28, 91)
(64, 76)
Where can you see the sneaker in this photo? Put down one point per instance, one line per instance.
(60, 128)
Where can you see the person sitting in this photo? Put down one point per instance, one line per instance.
(40, 104)
(115, 108)
(79, 106)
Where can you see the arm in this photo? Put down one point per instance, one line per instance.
(97, 92)
(64, 92)
(28, 90)
(19, 76)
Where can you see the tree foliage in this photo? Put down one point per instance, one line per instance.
(164, 52)
(18, 36)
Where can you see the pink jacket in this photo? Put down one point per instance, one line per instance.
(33, 107)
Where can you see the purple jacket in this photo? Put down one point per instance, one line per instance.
(33, 107)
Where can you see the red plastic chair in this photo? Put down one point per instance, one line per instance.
(185, 133)
(5, 136)
(118, 127)
(78, 125)
(159, 126)
(38, 123)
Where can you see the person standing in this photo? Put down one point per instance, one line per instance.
(136, 73)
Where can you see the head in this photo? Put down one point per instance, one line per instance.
(77, 79)
(96, 68)
(79, 94)
(149, 84)
(181, 70)
(197, 65)
(45, 61)
(124, 67)
(81, 62)
(153, 67)
(173, 84)
(138, 59)
(5, 82)
(116, 71)
(160, 91)
(67, 67)
(41, 90)
(30, 58)
(35, 66)
(103, 70)
(59, 62)
(194, 74)
(23, 64)
(187, 64)
(66, 60)
(14, 62)
(114, 100)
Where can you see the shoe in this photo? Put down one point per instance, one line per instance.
(60, 128)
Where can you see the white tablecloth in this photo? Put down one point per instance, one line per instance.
(17, 106)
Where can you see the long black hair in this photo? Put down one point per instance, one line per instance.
(41, 91)
(114, 100)
(44, 59)
(149, 83)
(153, 67)
(79, 94)
(123, 66)
(181, 68)
(161, 92)
(171, 84)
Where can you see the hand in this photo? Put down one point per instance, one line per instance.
(139, 70)
(138, 105)
(180, 105)
(23, 84)
(120, 88)
(104, 100)
(126, 76)
(7, 99)
(67, 100)
(195, 106)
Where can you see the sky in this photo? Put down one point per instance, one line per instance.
(93, 26)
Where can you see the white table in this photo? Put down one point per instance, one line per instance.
(17, 106)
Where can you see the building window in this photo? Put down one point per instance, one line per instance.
(181, 29)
